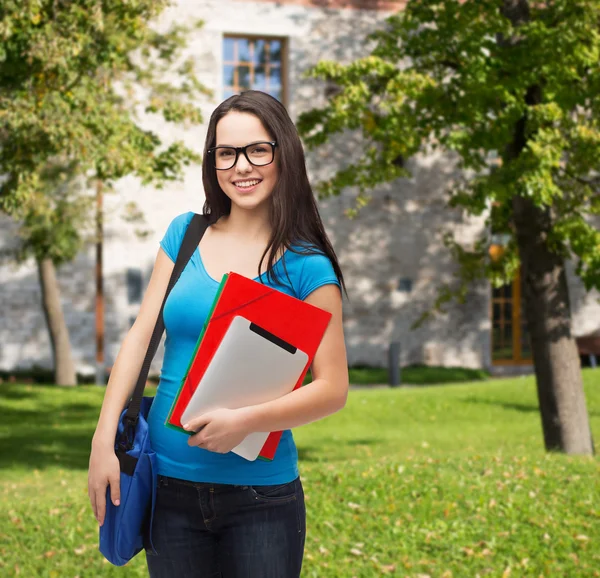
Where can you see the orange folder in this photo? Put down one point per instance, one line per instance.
(297, 322)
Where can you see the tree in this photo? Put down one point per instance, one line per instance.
(511, 88)
(74, 79)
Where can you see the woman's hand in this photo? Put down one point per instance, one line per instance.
(103, 470)
(219, 430)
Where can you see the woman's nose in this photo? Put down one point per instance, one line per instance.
(242, 165)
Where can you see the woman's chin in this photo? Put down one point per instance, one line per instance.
(248, 201)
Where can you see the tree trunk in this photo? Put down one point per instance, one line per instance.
(557, 366)
(64, 368)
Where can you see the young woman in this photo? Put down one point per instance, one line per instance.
(216, 513)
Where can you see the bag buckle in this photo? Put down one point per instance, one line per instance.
(125, 442)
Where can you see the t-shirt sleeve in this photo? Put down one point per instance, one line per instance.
(171, 242)
(317, 271)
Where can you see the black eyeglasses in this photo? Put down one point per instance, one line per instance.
(259, 154)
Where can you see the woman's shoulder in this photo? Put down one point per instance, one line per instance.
(309, 268)
(181, 221)
(306, 254)
(174, 234)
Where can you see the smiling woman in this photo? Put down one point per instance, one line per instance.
(217, 514)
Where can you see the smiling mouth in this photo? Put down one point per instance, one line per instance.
(247, 184)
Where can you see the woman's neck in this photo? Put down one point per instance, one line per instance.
(249, 225)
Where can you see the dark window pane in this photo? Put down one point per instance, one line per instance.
(495, 337)
(508, 291)
(228, 49)
(243, 50)
(525, 342)
(508, 311)
(500, 349)
(244, 77)
(275, 78)
(275, 51)
(134, 286)
(228, 75)
(259, 52)
(496, 292)
(508, 334)
(405, 284)
(496, 313)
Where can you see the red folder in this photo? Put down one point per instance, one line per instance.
(297, 322)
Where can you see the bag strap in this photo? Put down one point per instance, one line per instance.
(191, 240)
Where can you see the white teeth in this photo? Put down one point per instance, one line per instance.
(246, 184)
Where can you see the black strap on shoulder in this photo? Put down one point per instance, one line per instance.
(193, 235)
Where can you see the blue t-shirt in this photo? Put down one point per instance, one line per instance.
(185, 312)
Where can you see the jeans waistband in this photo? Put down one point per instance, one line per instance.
(166, 481)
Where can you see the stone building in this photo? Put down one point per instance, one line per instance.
(392, 255)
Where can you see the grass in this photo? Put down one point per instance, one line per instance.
(417, 375)
(446, 482)
(413, 375)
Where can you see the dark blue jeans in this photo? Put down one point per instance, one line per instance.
(205, 530)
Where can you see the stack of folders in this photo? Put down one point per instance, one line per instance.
(257, 345)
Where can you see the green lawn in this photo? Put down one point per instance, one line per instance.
(433, 481)
(417, 375)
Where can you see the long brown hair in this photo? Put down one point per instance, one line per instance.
(294, 216)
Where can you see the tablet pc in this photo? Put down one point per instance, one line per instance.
(250, 366)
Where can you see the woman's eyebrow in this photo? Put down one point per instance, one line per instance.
(250, 143)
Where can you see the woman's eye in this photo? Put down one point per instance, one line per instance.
(258, 150)
(225, 153)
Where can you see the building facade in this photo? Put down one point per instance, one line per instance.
(392, 255)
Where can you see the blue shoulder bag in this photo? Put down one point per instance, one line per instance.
(124, 528)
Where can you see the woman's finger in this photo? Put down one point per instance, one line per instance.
(115, 489)
(100, 505)
(92, 497)
(197, 424)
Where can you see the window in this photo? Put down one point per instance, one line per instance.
(253, 63)
(134, 285)
(510, 338)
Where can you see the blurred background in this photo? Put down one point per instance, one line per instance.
(455, 150)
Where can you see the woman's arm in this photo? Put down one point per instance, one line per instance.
(104, 465)
(326, 394)
(131, 355)
(328, 391)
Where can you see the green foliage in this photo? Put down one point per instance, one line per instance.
(60, 211)
(463, 77)
(76, 80)
(446, 481)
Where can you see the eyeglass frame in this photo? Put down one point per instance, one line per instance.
(238, 150)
